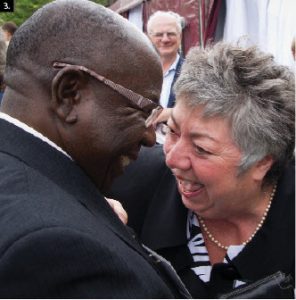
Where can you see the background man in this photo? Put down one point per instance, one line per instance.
(165, 31)
(9, 29)
(65, 133)
(3, 49)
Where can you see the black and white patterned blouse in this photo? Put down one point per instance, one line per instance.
(196, 244)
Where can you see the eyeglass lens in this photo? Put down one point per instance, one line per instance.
(168, 34)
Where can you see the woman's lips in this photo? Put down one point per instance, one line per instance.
(189, 188)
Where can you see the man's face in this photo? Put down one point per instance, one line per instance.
(165, 36)
(112, 128)
(7, 35)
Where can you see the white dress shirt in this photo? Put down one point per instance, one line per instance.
(32, 131)
(168, 78)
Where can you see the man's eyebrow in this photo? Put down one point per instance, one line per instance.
(155, 98)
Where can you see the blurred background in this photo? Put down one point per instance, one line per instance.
(270, 24)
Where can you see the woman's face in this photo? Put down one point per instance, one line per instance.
(204, 159)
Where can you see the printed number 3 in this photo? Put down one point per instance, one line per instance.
(6, 6)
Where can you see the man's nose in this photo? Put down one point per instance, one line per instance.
(149, 137)
(165, 37)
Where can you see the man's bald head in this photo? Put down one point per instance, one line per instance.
(79, 32)
(101, 129)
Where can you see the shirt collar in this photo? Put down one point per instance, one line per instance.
(32, 131)
(173, 66)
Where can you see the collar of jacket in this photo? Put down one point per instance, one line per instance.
(273, 247)
(60, 169)
(165, 222)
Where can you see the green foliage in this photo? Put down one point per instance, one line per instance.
(23, 9)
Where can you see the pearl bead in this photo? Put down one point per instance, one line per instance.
(211, 237)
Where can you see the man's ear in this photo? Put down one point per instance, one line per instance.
(66, 93)
(262, 167)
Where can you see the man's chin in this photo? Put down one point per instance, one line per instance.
(167, 53)
(107, 184)
(111, 175)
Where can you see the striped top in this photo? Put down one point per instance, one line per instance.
(202, 266)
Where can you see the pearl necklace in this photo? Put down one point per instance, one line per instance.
(215, 241)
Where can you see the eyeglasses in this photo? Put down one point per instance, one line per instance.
(160, 35)
(143, 103)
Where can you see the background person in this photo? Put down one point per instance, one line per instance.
(164, 29)
(223, 212)
(9, 29)
(65, 133)
(3, 49)
(293, 45)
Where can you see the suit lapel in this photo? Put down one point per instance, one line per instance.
(273, 247)
(165, 222)
(60, 169)
(172, 96)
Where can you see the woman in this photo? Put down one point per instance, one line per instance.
(229, 147)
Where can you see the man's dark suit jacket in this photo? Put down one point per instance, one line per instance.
(59, 238)
(149, 193)
(172, 96)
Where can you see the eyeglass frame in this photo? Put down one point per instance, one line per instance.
(142, 102)
(159, 35)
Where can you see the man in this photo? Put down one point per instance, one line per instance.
(3, 49)
(9, 28)
(65, 133)
(165, 31)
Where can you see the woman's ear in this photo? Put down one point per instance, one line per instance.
(262, 167)
(66, 93)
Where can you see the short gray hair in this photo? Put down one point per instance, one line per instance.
(180, 21)
(257, 96)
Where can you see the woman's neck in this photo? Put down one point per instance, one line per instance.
(237, 230)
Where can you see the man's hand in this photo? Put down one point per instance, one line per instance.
(118, 209)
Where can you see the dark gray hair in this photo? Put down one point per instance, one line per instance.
(245, 86)
(180, 21)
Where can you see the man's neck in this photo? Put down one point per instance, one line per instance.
(32, 131)
(167, 61)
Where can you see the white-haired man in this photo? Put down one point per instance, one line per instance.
(164, 29)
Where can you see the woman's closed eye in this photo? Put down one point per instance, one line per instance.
(201, 151)
(167, 130)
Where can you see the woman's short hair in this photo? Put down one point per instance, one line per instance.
(257, 97)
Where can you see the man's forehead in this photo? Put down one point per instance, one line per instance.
(164, 21)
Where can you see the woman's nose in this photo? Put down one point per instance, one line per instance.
(176, 156)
